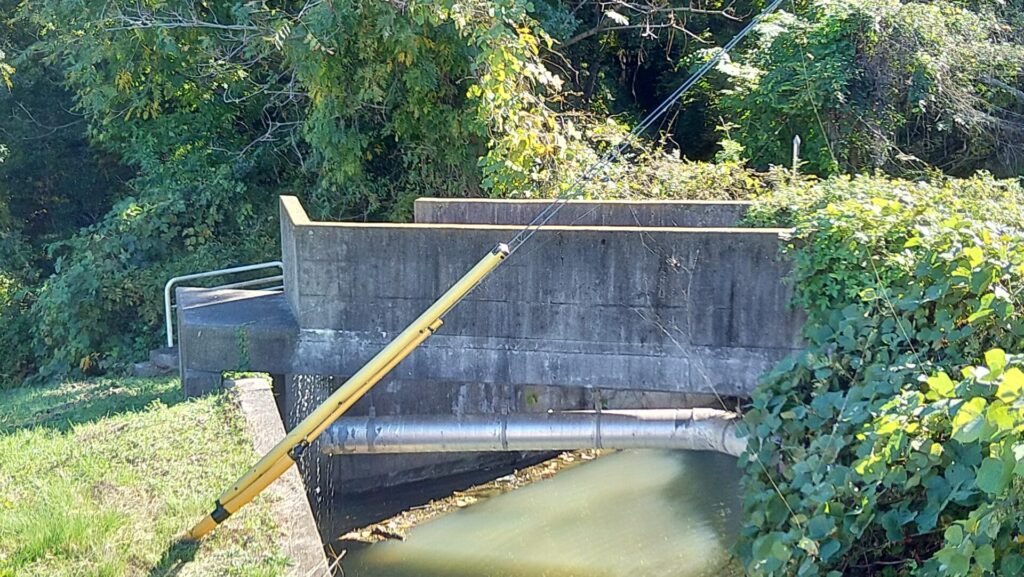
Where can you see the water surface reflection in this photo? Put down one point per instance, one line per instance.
(634, 513)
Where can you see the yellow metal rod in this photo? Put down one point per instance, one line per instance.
(278, 459)
(239, 499)
(371, 368)
(354, 398)
(344, 403)
(209, 522)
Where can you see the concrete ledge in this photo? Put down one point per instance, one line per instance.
(291, 510)
(632, 213)
(232, 330)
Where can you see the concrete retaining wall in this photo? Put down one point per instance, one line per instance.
(653, 308)
(299, 535)
(581, 317)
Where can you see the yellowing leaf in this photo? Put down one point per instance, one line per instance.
(974, 255)
(995, 359)
(941, 385)
(969, 420)
(1011, 386)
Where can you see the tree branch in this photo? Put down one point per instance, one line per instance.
(601, 28)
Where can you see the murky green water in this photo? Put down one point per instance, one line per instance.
(637, 513)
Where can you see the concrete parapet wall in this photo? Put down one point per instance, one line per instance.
(581, 317)
(632, 213)
(700, 310)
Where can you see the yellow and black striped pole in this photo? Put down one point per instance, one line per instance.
(287, 452)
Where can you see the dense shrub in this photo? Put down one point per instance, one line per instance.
(17, 354)
(645, 170)
(216, 109)
(907, 87)
(891, 446)
(105, 300)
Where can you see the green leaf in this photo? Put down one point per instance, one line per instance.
(954, 535)
(958, 564)
(829, 549)
(993, 476)
(985, 557)
(771, 546)
(969, 420)
(979, 315)
(819, 526)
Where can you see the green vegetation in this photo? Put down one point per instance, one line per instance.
(917, 88)
(98, 478)
(144, 139)
(893, 445)
(149, 139)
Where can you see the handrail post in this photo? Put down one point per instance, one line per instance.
(167, 313)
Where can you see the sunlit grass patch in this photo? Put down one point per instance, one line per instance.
(101, 478)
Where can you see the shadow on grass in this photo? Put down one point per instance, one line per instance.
(61, 406)
(174, 559)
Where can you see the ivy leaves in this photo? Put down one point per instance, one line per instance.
(896, 442)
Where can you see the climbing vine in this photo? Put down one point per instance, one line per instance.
(891, 446)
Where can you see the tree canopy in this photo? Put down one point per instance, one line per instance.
(146, 139)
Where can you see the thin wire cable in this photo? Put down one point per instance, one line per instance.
(549, 212)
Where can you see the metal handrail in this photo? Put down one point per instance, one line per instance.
(224, 271)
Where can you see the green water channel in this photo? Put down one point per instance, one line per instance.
(633, 513)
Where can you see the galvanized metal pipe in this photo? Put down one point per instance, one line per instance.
(694, 429)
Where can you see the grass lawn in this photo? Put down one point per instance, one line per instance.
(100, 478)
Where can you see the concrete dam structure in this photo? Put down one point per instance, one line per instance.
(616, 305)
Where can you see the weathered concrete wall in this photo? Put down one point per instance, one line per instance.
(654, 308)
(662, 213)
(581, 317)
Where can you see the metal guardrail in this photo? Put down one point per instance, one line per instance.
(221, 272)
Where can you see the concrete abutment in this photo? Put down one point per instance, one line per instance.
(623, 305)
